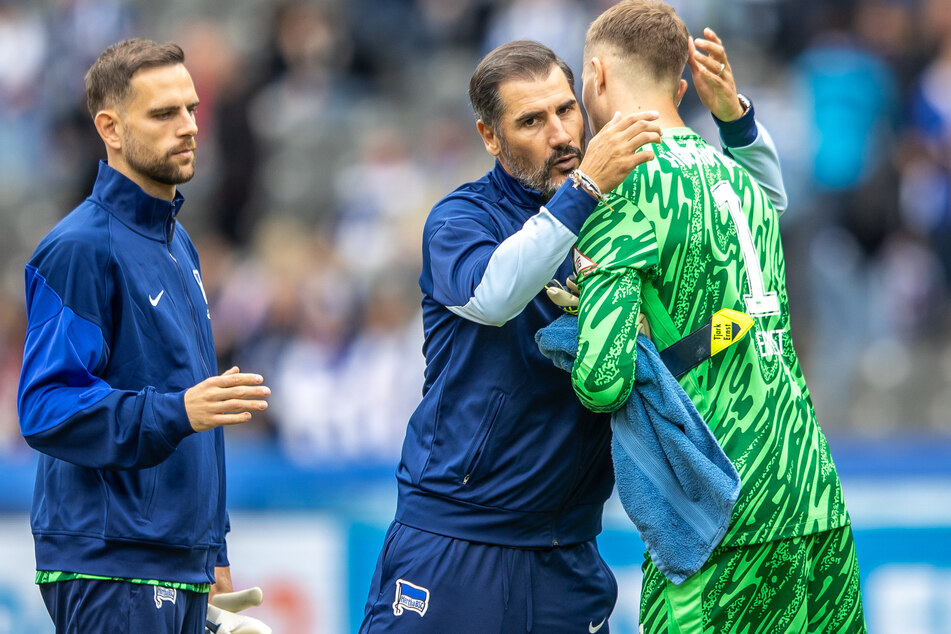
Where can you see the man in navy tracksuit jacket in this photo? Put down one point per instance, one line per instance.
(504, 473)
(118, 390)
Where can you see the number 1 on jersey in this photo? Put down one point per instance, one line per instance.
(759, 302)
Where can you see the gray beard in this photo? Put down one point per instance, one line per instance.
(539, 179)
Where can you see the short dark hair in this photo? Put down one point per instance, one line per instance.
(108, 80)
(521, 59)
(649, 30)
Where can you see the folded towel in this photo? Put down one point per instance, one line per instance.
(673, 479)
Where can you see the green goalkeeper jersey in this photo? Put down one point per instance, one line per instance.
(682, 237)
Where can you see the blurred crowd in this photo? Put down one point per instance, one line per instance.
(328, 128)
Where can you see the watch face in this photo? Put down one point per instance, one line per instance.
(744, 102)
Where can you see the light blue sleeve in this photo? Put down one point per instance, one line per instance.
(488, 281)
(761, 160)
(750, 145)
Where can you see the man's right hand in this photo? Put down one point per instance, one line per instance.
(612, 153)
(228, 399)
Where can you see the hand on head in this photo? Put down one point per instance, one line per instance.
(713, 77)
(612, 152)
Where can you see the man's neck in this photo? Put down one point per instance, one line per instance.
(663, 105)
(151, 187)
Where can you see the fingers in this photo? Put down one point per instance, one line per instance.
(228, 399)
(639, 128)
(238, 405)
(243, 391)
(692, 56)
(219, 420)
(644, 119)
(632, 123)
(642, 157)
(232, 379)
(711, 35)
(709, 53)
(709, 62)
(238, 601)
(650, 135)
(711, 48)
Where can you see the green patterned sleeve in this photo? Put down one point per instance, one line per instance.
(616, 250)
(603, 372)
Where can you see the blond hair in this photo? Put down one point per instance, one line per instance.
(648, 31)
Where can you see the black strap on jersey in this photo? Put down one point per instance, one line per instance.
(724, 329)
(682, 356)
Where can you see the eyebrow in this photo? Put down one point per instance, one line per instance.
(535, 113)
(162, 109)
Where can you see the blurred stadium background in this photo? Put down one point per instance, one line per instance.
(328, 129)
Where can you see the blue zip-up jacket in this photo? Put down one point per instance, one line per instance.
(500, 450)
(117, 329)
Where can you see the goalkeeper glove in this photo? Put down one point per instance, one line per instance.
(565, 297)
(222, 613)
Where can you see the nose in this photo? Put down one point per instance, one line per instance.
(189, 126)
(559, 135)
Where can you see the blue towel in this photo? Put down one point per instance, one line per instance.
(673, 479)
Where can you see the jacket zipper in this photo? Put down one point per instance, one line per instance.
(475, 453)
(191, 306)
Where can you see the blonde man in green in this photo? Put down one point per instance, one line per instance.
(682, 237)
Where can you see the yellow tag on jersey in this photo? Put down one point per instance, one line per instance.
(727, 327)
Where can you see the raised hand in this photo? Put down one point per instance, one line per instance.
(713, 77)
(612, 153)
(227, 399)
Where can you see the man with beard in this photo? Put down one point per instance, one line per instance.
(119, 392)
(504, 474)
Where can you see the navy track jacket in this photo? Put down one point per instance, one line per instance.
(118, 328)
(500, 450)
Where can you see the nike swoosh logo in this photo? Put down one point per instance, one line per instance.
(594, 628)
(155, 300)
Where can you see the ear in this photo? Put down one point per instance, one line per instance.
(599, 76)
(109, 127)
(681, 89)
(490, 138)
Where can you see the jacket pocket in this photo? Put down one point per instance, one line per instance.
(477, 449)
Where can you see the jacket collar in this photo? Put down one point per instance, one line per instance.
(150, 216)
(513, 189)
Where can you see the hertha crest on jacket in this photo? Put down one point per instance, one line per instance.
(410, 597)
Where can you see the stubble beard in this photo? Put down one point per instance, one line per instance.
(159, 169)
(539, 178)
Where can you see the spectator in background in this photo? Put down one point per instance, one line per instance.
(926, 175)
(851, 97)
(77, 31)
(376, 229)
(561, 22)
(305, 110)
(23, 112)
